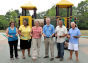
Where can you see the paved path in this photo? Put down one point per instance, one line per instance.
(4, 54)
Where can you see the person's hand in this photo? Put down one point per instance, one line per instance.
(76, 36)
(31, 35)
(10, 36)
(16, 35)
(51, 36)
(60, 36)
(44, 35)
(55, 35)
(64, 35)
(68, 36)
(21, 35)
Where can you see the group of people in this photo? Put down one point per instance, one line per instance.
(32, 36)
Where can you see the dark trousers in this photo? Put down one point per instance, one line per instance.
(60, 48)
(13, 48)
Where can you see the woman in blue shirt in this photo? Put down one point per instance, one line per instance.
(12, 34)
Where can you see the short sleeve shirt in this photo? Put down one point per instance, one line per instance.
(36, 32)
(60, 31)
(25, 31)
(74, 32)
(48, 30)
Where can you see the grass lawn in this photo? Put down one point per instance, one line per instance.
(84, 32)
(2, 31)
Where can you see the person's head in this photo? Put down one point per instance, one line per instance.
(12, 24)
(57, 19)
(25, 22)
(60, 22)
(47, 20)
(36, 22)
(73, 25)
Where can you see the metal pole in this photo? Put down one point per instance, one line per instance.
(68, 18)
(71, 11)
(22, 12)
(35, 13)
(57, 11)
(32, 20)
(57, 14)
(25, 12)
(44, 20)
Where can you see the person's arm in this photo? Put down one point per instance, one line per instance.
(68, 34)
(56, 32)
(7, 33)
(19, 31)
(41, 31)
(65, 34)
(44, 31)
(16, 32)
(53, 30)
(31, 31)
(78, 34)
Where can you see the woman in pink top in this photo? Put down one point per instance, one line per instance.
(36, 34)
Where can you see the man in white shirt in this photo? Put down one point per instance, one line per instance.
(61, 32)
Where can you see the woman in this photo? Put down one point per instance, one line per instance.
(25, 39)
(12, 34)
(36, 40)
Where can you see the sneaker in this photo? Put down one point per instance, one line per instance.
(17, 57)
(29, 55)
(39, 56)
(61, 59)
(23, 57)
(51, 59)
(46, 57)
(57, 57)
(11, 58)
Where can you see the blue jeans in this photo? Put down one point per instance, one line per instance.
(60, 48)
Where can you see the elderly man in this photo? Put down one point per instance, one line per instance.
(61, 32)
(48, 32)
(73, 35)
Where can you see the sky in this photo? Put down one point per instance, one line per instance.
(42, 5)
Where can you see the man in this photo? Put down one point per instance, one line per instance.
(61, 32)
(48, 32)
(73, 35)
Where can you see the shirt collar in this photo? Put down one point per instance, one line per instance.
(48, 25)
(74, 28)
(60, 27)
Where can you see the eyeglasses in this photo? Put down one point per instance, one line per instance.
(12, 24)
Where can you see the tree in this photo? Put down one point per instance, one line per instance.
(3, 23)
(82, 14)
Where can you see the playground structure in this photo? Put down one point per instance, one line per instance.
(68, 5)
(25, 7)
(62, 4)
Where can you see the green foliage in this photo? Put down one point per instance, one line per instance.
(10, 16)
(51, 12)
(82, 15)
(3, 22)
